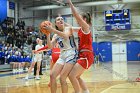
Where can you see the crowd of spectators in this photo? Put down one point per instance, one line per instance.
(16, 37)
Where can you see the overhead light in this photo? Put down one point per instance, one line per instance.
(60, 2)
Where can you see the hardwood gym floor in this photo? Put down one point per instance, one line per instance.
(98, 78)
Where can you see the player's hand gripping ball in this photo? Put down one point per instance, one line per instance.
(43, 26)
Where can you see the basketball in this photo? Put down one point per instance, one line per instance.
(43, 24)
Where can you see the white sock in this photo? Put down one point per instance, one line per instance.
(86, 91)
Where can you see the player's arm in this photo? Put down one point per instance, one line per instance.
(43, 48)
(35, 51)
(67, 25)
(52, 42)
(79, 19)
(51, 29)
(75, 29)
(49, 42)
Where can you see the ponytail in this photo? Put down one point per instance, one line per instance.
(88, 17)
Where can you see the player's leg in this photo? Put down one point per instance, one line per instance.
(57, 68)
(63, 76)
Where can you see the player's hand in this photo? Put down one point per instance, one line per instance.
(48, 28)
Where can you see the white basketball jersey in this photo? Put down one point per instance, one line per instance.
(38, 47)
(65, 44)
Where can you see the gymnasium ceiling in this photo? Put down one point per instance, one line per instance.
(55, 4)
(34, 3)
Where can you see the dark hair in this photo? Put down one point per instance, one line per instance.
(56, 26)
(88, 17)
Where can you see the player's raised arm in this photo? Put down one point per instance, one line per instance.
(81, 21)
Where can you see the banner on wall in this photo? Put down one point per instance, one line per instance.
(12, 5)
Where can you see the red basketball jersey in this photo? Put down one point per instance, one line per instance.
(84, 40)
(55, 54)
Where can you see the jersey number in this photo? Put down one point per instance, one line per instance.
(61, 44)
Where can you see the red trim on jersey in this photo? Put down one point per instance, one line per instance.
(86, 59)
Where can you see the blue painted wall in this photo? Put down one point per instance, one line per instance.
(105, 49)
(133, 48)
(94, 45)
(3, 10)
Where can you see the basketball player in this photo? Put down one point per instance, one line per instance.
(86, 56)
(36, 58)
(68, 53)
(55, 52)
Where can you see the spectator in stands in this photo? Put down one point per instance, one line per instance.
(11, 61)
(18, 42)
(2, 56)
(9, 39)
(27, 61)
(23, 25)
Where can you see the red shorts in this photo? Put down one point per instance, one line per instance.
(55, 54)
(86, 59)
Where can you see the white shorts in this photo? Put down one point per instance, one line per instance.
(37, 58)
(67, 56)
